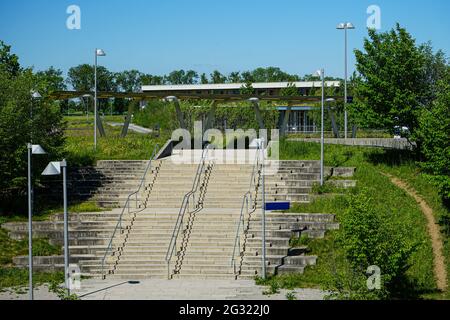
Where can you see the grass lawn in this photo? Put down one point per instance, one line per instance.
(370, 163)
(80, 142)
(10, 248)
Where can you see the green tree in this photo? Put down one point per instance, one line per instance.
(50, 80)
(81, 78)
(129, 81)
(217, 77)
(148, 80)
(390, 83)
(290, 90)
(23, 120)
(434, 132)
(182, 77)
(247, 88)
(9, 62)
(234, 77)
(204, 79)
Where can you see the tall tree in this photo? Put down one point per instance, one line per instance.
(81, 78)
(149, 80)
(234, 77)
(129, 81)
(217, 77)
(204, 79)
(391, 80)
(50, 80)
(9, 62)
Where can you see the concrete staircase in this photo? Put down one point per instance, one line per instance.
(108, 184)
(208, 239)
(139, 250)
(281, 258)
(293, 181)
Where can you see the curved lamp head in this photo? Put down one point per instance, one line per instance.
(37, 149)
(35, 95)
(318, 73)
(100, 53)
(54, 168)
(171, 99)
(346, 25)
(254, 100)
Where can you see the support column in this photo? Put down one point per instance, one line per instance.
(100, 127)
(333, 123)
(211, 117)
(259, 117)
(286, 120)
(128, 117)
(179, 114)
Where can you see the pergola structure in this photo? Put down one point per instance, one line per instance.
(216, 98)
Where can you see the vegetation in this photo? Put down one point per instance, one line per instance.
(10, 248)
(23, 120)
(401, 84)
(388, 208)
(17, 279)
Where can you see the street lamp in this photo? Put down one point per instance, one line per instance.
(54, 169)
(35, 95)
(98, 53)
(260, 144)
(345, 26)
(38, 150)
(321, 74)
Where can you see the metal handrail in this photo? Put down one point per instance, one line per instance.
(127, 206)
(183, 208)
(245, 201)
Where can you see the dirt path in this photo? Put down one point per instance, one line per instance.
(440, 270)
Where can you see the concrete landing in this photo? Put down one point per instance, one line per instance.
(186, 289)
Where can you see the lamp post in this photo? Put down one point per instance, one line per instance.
(321, 74)
(262, 149)
(98, 53)
(32, 149)
(259, 144)
(345, 26)
(54, 169)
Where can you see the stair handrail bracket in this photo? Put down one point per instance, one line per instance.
(127, 207)
(247, 199)
(188, 199)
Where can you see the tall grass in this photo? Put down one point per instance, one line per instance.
(402, 209)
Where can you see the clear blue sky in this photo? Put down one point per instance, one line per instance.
(157, 37)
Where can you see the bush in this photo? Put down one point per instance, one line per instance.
(372, 238)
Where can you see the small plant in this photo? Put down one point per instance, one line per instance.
(61, 291)
(274, 288)
(301, 241)
(291, 296)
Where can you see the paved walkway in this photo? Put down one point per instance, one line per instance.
(157, 289)
(399, 144)
(132, 127)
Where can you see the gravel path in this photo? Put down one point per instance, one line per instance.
(440, 269)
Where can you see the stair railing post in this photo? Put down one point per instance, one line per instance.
(263, 213)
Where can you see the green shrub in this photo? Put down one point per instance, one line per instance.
(371, 238)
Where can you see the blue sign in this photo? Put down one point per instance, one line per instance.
(276, 206)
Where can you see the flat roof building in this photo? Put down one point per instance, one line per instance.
(299, 117)
(267, 88)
